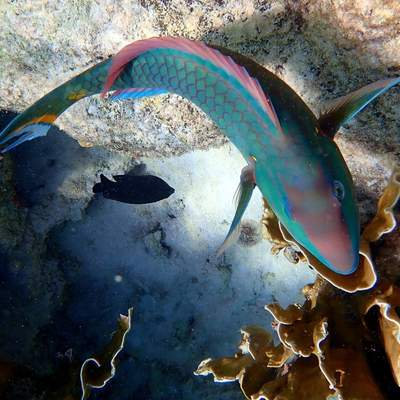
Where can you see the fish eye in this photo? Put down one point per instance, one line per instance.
(338, 190)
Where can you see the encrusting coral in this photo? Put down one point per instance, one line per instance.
(327, 348)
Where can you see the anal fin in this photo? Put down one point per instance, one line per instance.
(244, 193)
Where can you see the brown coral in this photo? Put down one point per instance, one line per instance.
(319, 361)
(96, 371)
(258, 379)
(249, 366)
(63, 383)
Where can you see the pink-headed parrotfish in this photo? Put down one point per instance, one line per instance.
(291, 155)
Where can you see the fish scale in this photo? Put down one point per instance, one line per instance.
(229, 110)
(295, 163)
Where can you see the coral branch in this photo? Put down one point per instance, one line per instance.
(98, 370)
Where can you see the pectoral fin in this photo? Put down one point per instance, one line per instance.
(243, 195)
(343, 109)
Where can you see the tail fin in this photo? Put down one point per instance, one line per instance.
(24, 134)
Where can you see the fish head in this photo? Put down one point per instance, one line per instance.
(158, 188)
(312, 194)
(320, 211)
(170, 190)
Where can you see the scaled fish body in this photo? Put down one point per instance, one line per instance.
(134, 189)
(296, 165)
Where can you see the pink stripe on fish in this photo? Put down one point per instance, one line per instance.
(133, 50)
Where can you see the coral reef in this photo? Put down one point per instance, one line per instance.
(51, 280)
(326, 345)
(387, 297)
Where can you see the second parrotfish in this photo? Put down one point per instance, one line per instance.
(291, 154)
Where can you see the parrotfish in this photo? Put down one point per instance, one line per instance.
(134, 189)
(291, 155)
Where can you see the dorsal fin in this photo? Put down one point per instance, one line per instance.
(104, 179)
(133, 50)
(344, 108)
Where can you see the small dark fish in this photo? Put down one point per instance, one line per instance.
(134, 189)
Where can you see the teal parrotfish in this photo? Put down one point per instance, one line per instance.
(291, 155)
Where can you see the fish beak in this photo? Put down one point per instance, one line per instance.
(344, 264)
(338, 252)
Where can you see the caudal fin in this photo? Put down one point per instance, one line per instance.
(104, 180)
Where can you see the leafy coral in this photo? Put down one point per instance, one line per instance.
(96, 371)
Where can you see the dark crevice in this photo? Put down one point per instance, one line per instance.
(377, 359)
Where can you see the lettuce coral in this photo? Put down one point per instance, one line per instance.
(96, 371)
(387, 297)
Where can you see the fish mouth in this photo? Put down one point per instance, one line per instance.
(336, 247)
(344, 265)
(338, 252)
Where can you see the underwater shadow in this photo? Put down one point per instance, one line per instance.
(42, 165)
(108, 276)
